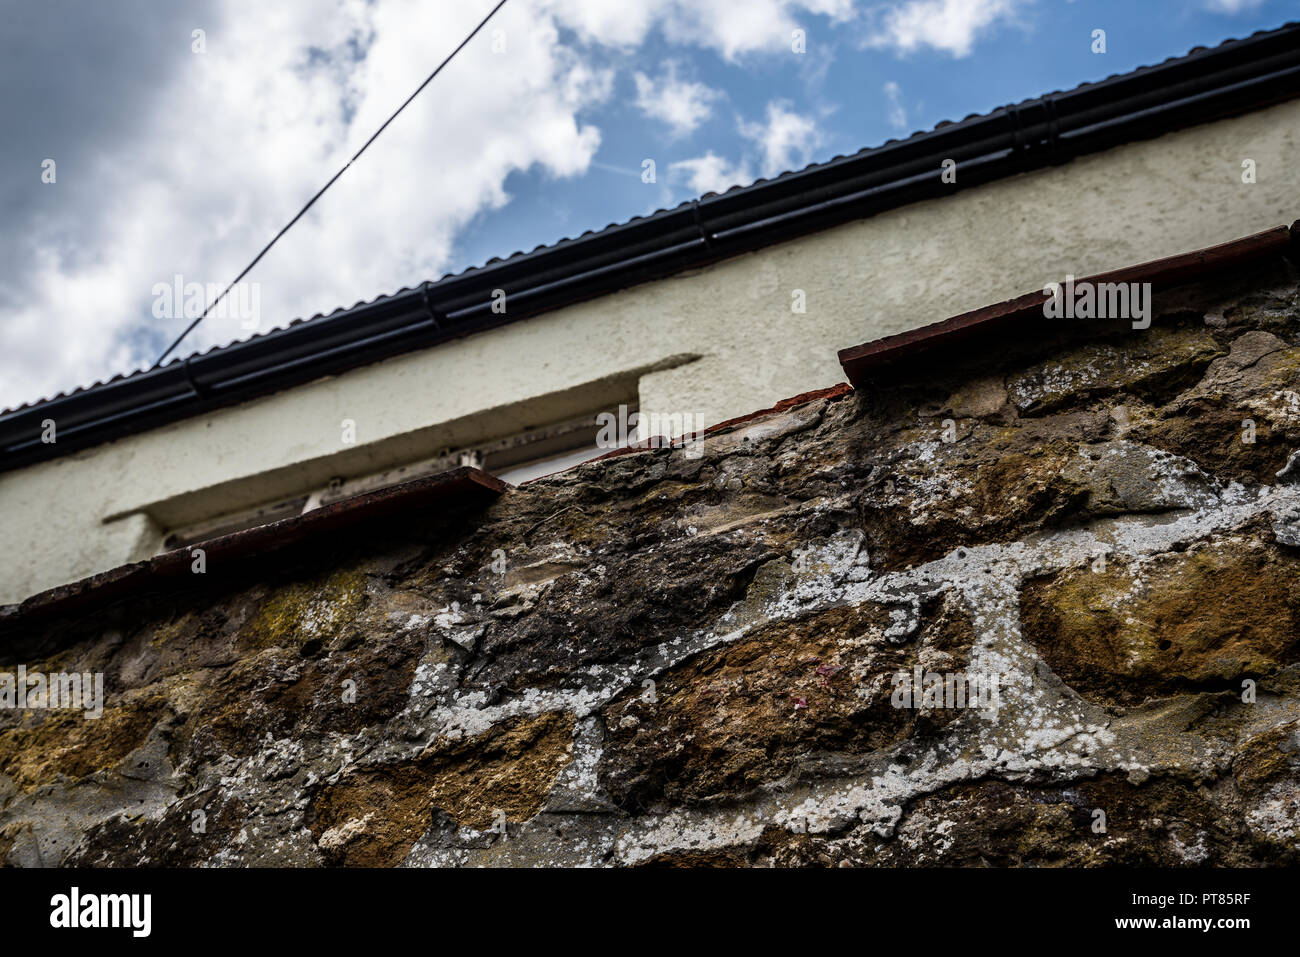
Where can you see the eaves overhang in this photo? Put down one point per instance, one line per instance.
(1235, 77)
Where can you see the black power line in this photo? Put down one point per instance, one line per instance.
(321, 191)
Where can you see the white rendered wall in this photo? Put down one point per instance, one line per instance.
(721, 341)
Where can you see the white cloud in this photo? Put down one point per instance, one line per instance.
(682, 105)
(248, 130)
(896, 112)
(730, 27)
(1231, 6)
(235, 139)
(710, 173)
(948, 25)
(786, 140)
(277, 119)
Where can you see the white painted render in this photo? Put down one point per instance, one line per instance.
(720, 341)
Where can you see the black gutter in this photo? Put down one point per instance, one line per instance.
(1238, 76)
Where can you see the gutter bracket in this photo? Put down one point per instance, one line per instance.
(1023, 145)
(434, 317)
(189, 378)
(1053, 125)
(699, 224)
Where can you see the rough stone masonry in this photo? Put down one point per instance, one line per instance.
(656, 658)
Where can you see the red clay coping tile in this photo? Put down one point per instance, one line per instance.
(463, 486)
(859, 362)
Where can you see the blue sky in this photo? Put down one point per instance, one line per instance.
(1045, 47)
(186, 134)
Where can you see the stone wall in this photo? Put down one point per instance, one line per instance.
(662, 657)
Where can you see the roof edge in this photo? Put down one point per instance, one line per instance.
(1205, 85)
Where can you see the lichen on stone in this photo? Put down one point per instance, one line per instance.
(672, 658)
